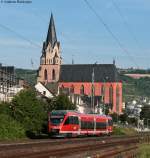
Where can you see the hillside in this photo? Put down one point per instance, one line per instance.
(28, 75)
(135, 88)
(132, 88)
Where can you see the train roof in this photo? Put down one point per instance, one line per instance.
(64, 112)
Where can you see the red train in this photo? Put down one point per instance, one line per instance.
(68, 123)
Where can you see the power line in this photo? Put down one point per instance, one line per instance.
(19, 35)
(110, 32)
(125, 23)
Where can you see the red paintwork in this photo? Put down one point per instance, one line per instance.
(76, 130)
(98, 86)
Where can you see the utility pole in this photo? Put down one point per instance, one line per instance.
(93, 88)
(93, 76)
(92, 91)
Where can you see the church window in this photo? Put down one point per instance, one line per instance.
(103, 92)
(82, 90)
(92, 90)
(72, 89)
(53, 75)
(111, 94)
(117, 98)
(45, 74)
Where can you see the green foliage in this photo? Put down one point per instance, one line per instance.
(61, 102)
(5, 108)
(123, 131)
(135, 88)
(115, 117)
(29, 111)
(123, 118)
(145, 113)
(144, 151)
(9, 128)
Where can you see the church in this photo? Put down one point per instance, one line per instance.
(90, 84)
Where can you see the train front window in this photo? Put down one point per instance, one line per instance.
(56, 120)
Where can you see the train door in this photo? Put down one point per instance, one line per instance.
(71, 125)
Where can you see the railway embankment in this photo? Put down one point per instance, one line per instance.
(96, 147)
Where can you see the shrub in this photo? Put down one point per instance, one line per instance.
(9, 128)
(29, 111)
(123, 131)
(62, 102)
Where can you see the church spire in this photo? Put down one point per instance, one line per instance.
(51, 35)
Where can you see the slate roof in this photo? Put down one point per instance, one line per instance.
(53, 87)
(83, 73)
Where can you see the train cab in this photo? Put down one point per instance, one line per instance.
(63, 123)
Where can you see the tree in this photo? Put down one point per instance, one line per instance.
(5, 108)
(123, 117)
(61, 102)
(145, 113)
(29, 111)
(10, 128)
(114, 117)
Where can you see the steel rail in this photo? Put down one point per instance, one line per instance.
(67, 149)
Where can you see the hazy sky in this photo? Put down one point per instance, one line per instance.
(23, 28)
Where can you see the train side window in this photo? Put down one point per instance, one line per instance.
(101, 125)
(83, 125)
(72, 120)
(67, 121)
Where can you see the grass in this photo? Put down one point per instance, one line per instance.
(144, 151)
(124, 131)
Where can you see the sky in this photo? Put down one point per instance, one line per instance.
(119, 30)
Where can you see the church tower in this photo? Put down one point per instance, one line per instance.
(50, 60)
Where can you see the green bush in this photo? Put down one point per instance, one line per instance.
(5, 108)
(123, 131)
(9, 128)
(29, 111)
(61, 102)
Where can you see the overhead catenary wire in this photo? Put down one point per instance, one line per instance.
(129, 29)
(20, 35)
(100, 19)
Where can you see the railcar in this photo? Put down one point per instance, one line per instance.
(67, 123)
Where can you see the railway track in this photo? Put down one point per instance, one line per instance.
(75, 147)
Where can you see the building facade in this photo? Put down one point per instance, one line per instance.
(83, 83)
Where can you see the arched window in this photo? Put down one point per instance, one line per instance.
(82, 90)
(93, 90)
(111, 94)
(103, 92)
(45, 75)
(72, 89)
(53, 75)
(117, 98)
